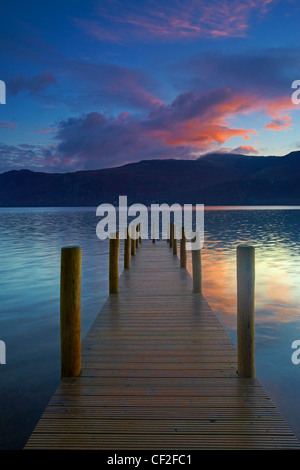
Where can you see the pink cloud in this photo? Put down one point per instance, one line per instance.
(93, 28)
(279, 124)
(246, 149)
(123, 20)
(193, 122)
(111, 83)
(10, 125)
(277, 110)
(276, 106)
(200, 120)
(47, 131)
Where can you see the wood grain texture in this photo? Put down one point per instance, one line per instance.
(70, 311)
(114, 248)
(245, 310)
(159, 372)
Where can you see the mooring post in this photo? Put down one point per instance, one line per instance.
(245, 310)
(132, 237)
(70, 311)
(126, 249)
(171, 234)
(137, 236)
(114, 245)
(196, 264)
(168, 233)
(183, 249)
(175, 239)
(140, 230)
(153, 232)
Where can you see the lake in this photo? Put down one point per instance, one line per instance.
(30, 244)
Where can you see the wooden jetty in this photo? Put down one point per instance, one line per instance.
(159, 372)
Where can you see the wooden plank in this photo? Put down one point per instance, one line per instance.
(213, 414)
(172, 441)
(159, 372)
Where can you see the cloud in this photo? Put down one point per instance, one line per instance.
(36, 157)
(276, 107)
(47, 131)
(192, 124)
(260, 80)
(109, 83)
(189, 125)
(245, 149)
(279, 124)
(82, 83)
(9, 125)
(123, 21)
(200, 119)
(33, 85)
(268, 72)
(96, 141)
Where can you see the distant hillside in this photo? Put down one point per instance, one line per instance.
(213, 179)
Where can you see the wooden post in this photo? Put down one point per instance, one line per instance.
(114, 244)
(70, 311)
(245, 310)
(183, 249)
(197, 270)
(126, 249)
(171, 234)
(140, 230)
(175, 240)
(168, 232)
(137, 238)
(133, 244)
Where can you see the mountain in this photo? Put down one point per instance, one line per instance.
(212, 179)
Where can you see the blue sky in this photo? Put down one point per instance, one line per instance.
(97, 84)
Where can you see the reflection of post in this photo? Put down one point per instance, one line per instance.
(2, 352)
(126, 249)
(196, 263)
(114, 244)
(245, 310)
(174, 239)
(70, 311)
(183, 249)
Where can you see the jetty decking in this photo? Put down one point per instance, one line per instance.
(159, 372)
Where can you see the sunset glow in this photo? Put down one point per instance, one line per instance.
(107, 83)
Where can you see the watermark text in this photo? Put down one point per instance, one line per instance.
(2, 352)
(296, 354)
(296, 93)
(153, 221)
(2, 92)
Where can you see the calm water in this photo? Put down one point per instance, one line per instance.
(30, 243)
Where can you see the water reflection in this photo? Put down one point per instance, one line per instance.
(275, 234)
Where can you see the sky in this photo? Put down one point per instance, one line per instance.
(97, 84)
